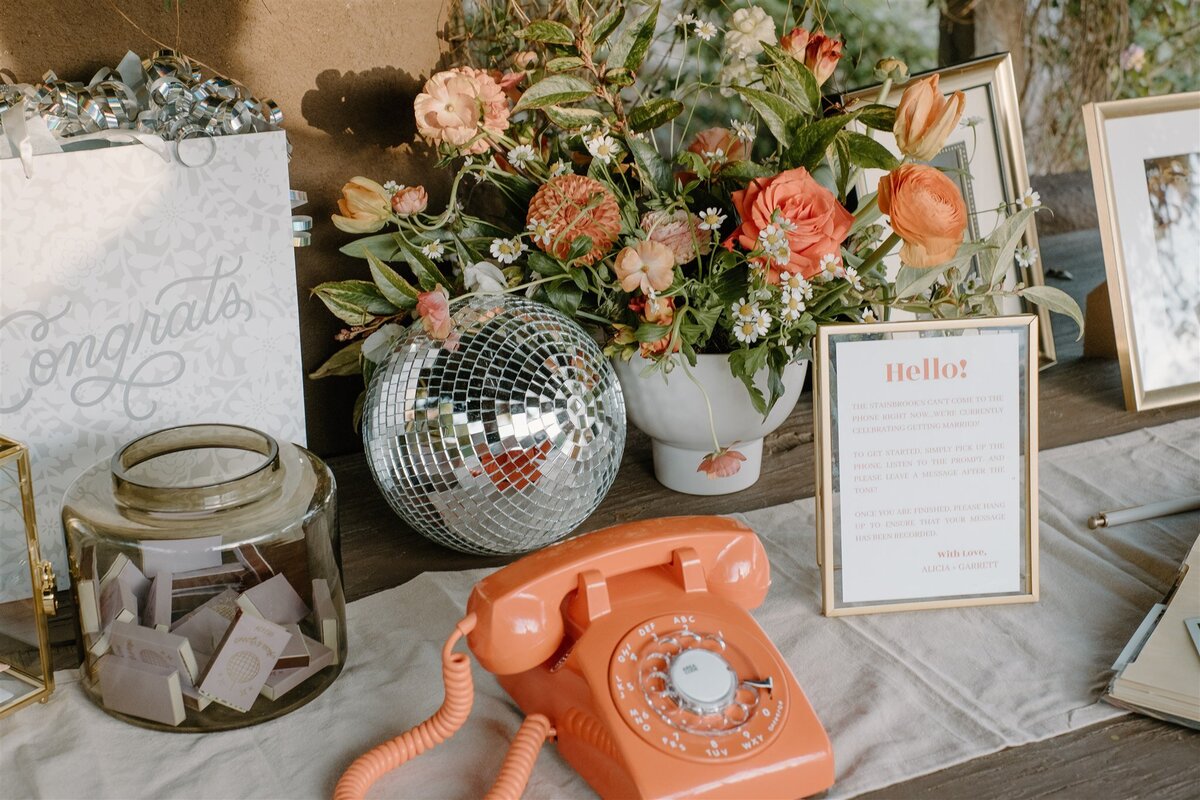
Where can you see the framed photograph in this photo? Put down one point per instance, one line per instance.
(985, 155)
(926, 464)
(1145, 159)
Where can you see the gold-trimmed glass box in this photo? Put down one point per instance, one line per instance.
(26, 671)
(206, 572)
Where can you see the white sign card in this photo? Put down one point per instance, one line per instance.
(138, 294)
(928, 494)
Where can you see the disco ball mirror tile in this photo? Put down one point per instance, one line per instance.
(500, 439)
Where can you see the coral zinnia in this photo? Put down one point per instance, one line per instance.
(572, 206)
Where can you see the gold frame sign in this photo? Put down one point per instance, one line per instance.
(926, 463)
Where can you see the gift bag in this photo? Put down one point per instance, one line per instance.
(142, 289)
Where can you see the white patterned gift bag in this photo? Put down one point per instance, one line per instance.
(138, 293)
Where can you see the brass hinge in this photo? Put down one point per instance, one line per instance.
(49, 585)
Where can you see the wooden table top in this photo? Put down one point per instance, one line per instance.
(1080, 399)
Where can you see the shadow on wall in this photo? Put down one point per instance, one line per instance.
(370, 108)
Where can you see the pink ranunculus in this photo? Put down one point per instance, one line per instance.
(434, 310)
(724, 463)
(462, 107)
(679, 230)
(410, 200)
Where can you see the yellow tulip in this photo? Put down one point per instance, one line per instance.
(365, 205)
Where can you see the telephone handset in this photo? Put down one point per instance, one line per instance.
(633, 649)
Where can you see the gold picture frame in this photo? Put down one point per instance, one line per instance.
(26, 668)
(1126, 164)
(991, 91)
(826, 420)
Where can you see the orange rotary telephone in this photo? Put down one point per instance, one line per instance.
(632, 648)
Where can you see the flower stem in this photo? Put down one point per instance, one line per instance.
(884, 248)
(512, 289)
(712, 423)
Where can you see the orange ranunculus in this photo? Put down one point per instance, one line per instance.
(365, 206)
(818, 52)
(724, 463)
(925, 119)
(927, 210)
(819, 224)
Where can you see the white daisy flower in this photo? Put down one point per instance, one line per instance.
(603, 148)
(1030, 199)
(785, 224)
(748, 29)
(714, 156)
(506, 251)
(869, 316)
(970, 122)
(540, 231)
(772, 236)
(793, 306)
(851, 275)
(743, 131)
(831, 262)
(521, 156)
(684, 20)
(391, 187)
(711, 219)
(763, 322)
(744, 309)
(1026, 255)
(746, 331)
(796, 284)
(705, 31)
(434, 249)
(560, 168)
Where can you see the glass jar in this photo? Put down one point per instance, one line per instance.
(206, 572)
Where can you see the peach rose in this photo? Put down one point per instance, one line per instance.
(434, 310)
(678, 230)
(925, 119)
(819, 224)
(410, 200)
(818, 52)
(648, 266)
(926, 210)
(718, 146)
(462, 107)
(365, 206)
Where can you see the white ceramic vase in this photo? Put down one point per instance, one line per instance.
(670, 409)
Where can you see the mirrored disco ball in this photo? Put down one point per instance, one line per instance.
(500, 439)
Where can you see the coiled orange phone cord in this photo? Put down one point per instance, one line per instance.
(460, 695)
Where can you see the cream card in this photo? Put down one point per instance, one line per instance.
(930, 466)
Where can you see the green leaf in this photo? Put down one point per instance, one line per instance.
(607, 24)
(1055, 300)
(630, 47)
(911, 281)
(564, 64)
(777, 113)
(649, 332)
(555, 90)
(354, 302)
(381, 245)
(572, 118)
(565, 296)
(544, 265)
(547, 32)
(395, 288)
(580, 246)
(877, 116)
(652, 113)
(798, 81)
(620, 76)
(868, 153)
(808, 143)
(745, 363)
(343, 362)
(994, 264)
(744, 171)
(428, 275)
(654, 170)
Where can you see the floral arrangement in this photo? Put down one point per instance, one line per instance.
(581, 184)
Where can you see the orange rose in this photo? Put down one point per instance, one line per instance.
(925, 119)
(818, 52)
(819, 224)
(926, 210)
